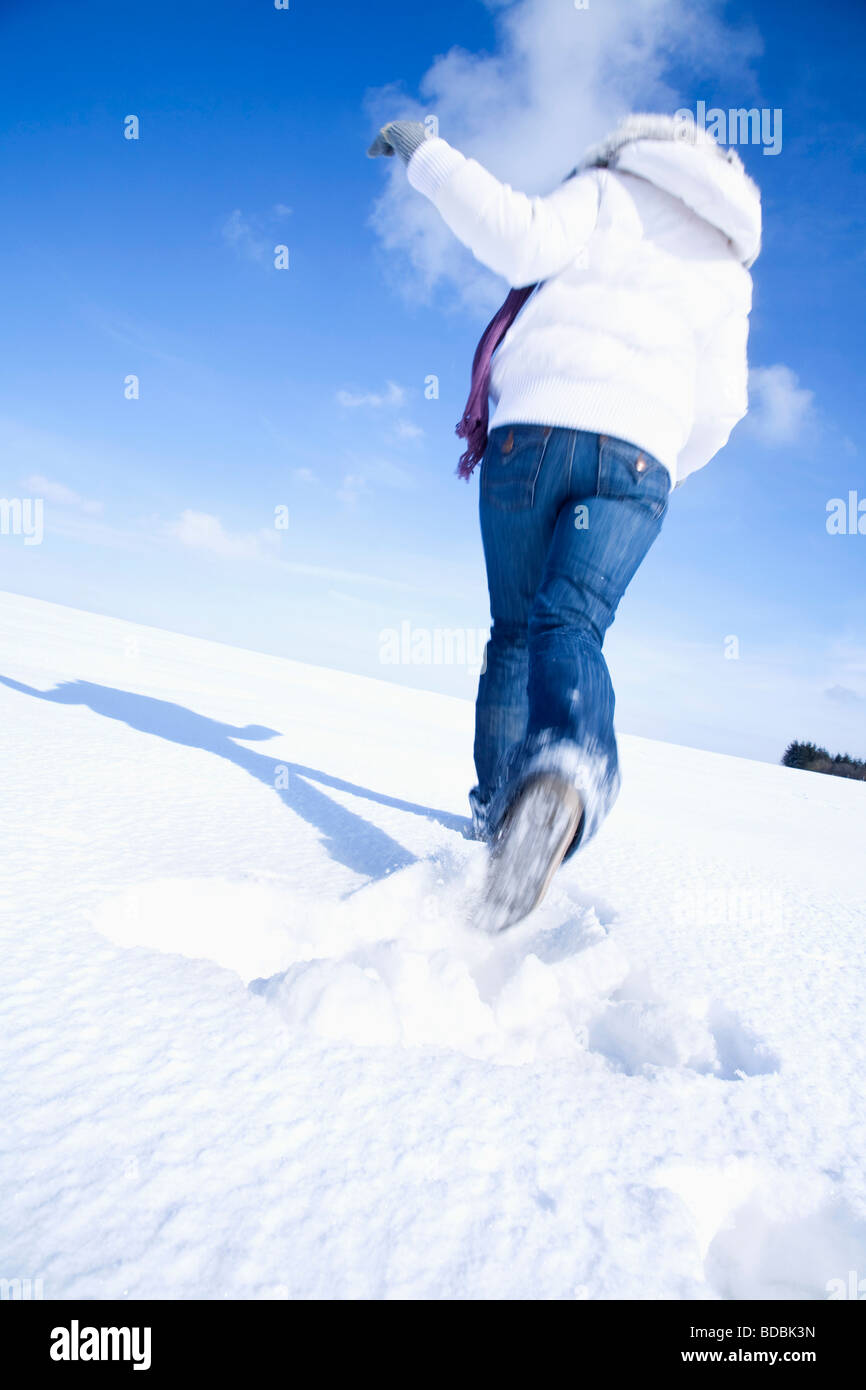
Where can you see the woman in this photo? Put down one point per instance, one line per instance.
(620, 368)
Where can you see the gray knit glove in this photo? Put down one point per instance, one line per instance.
(402, 137)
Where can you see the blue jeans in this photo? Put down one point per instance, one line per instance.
(566, 519)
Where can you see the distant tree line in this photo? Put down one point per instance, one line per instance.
(813, 759)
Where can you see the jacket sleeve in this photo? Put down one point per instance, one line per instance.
(721, 391)
(524, 239)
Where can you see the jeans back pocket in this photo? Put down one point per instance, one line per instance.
(626, 471)
(511, 465)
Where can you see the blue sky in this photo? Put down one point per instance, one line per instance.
(304, 388)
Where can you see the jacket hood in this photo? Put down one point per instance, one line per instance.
(680, 157)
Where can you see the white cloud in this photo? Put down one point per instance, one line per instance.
(404, 429)
(848, 665)
(369, 474)
(382, 470)
(239, 234)
(349, 576)
(253, 237)
(351, 488)
(779, 407)
(392, 395)
(39, 457)
(202, 531)
(149, 536)
(60, 494)
(844, 695)
(555, 81)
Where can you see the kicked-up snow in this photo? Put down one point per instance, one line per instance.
(251, 1044)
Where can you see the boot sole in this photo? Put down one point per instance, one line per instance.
(529, 849)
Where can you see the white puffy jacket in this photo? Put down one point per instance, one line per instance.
(639, 328)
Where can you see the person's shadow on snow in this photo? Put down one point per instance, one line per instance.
(347, 837)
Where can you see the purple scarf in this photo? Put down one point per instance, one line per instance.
(473, 426)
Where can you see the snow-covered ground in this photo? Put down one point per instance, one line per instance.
(251, 1046)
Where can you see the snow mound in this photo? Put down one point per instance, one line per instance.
(402, 965)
